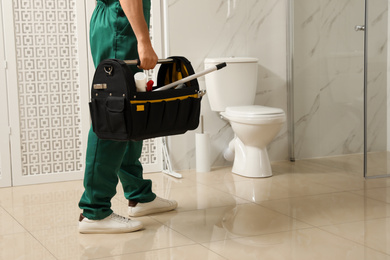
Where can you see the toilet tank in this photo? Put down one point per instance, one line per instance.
(234, 85)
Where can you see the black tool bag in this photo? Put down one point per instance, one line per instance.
(120, 113)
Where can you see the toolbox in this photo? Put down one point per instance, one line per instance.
(119, 112)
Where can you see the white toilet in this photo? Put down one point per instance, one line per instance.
(231, 91)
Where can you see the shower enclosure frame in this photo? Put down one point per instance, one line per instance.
(290, 87)
(290, 79)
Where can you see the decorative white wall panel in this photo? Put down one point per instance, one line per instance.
(151, 157)
(47, 82)
(49, 88)
(5, 160)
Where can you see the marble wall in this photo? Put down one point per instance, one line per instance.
(377, 79)
(223, 28)
(377, 88)
(328, 71)
(329, 77)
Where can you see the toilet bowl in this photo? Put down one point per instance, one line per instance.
(232, 92)
(254, 127)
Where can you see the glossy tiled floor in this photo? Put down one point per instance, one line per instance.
(310, 209)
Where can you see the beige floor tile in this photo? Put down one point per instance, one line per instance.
(67, 243)
(228, 222)
(216, 176)
(348, 164)
(8, 225)
(53, 215)
(305, 244)
(233, 216)
(162, 181)
(381, 194)
(330, 209)
(193, 252)
(302, 166)
(46, 206)
(374, 233)
(312, 166)
(279, 186)
(42, 194)
(202, 225)
(341, 182)
(200, 197)
(196, 197)
(22, 246)
(46, 216)
(377, 163)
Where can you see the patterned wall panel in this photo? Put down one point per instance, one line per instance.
(48, 86)
(149, 152)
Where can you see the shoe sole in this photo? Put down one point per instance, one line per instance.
(152, 211)
(110, 231)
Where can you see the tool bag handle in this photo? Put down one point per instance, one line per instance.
(138, 62)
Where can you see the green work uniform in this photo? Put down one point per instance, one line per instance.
(111, 36)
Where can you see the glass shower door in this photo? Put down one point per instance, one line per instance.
(377, 105)
(328, 81)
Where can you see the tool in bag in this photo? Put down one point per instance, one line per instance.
(181, 82)
(121, 113)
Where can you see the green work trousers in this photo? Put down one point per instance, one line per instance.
(111, 36)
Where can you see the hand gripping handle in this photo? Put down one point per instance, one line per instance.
(138, 62)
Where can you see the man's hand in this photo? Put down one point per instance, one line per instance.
(134, 13)
(147, 56)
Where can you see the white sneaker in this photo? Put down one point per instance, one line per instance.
(111, 224)
(158, 205)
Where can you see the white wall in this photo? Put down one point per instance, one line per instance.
(203, 28)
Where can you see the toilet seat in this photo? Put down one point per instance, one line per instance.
(253, 111)
(254, 114)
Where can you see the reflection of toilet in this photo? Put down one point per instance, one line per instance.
(232, 92)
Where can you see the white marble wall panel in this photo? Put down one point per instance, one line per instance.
(328, 70)
(328, 77)
(377, 88)
(376, 75)
(220, 28)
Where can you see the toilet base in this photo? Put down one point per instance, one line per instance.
(251, 161)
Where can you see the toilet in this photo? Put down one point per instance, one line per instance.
(231, 92)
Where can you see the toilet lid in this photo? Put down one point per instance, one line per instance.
(252, 111)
